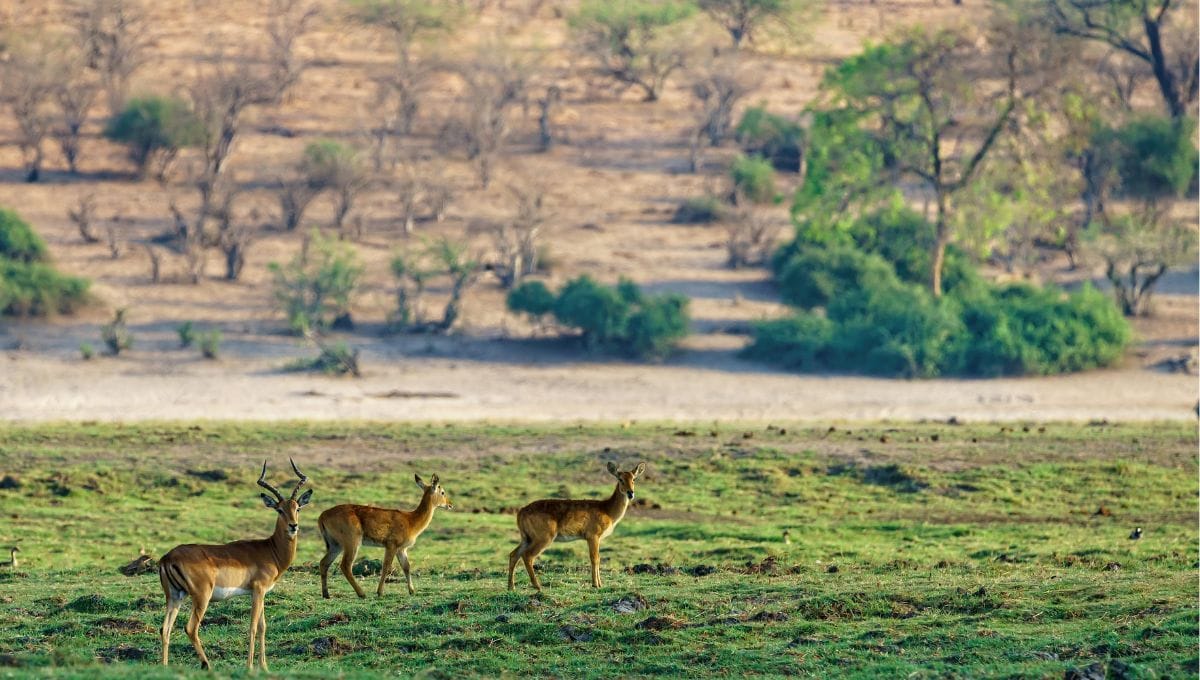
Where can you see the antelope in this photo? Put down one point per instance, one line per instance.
(211, 573)
(554, 519)
(12, 562)
(346, 527)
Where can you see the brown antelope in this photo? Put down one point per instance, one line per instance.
(554, 519)
(211, 573)
(346, 527)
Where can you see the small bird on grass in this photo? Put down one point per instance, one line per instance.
(12, 563)
(787, 537)
(1135, 534)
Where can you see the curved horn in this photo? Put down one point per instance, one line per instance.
(262, 481)
(301, 475)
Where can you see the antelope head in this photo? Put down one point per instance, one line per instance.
(288, 509)
(435, 490)
(625, 479)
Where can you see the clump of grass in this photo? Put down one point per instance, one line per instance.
(116, 334)
(187, 334)
(335, 359)
(87, 351)
(210, 344)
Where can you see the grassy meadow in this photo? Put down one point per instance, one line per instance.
(921, 550)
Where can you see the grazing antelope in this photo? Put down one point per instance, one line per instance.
(554, 519)
(218, 572)
(346, 527)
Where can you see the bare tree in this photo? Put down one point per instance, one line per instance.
(547, 105)
(496, 82)
(1159, 33)
(409, 193)
(742, 19)
(30, 77)
(83, 215)
(750, 236)
(463, 269)
(287, 22)
(405, 21)
(114, 35)
(233, 237)
(633, 42)
(516, 239)
(295, 193)
(74, 95)
(220, 97)
(717, 89)
(1137, 248)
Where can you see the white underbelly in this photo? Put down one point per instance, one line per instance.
(220, 593)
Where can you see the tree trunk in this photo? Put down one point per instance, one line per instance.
(1162, 72)
(939, 247)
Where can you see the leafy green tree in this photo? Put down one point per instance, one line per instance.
(316, 288)
(331, 166)
(631, 39)
(928, 115)
(155, 128)
(405, 20)
(753, 180)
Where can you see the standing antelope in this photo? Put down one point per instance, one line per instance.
(554, 519)
(346, 527)
(218, 572)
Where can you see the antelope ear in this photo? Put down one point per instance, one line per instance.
(637, 472)
(612, 470)
(433, 481)
(304, 499)
(420, 482)
(269, 502)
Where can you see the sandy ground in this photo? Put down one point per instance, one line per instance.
(463, 378)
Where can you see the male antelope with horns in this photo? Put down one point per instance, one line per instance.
(208, 573)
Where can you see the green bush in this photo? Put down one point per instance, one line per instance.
(335, 359)
(657, 324)
(753, 180)
(532, 298)
(895, 330)
(86, 351)
(210, 344)
(773, 137)
(699, 210)
(816, 276)
(36, 289)
(619, 319)
(802, 342)
(187, 334)
(18, 241)
(1154, 156)
(315, 290)
(154, 125)
(598, 310)
(116, 334)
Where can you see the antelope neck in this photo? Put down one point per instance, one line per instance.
(282, 545)
(423, 514)
(617, 503)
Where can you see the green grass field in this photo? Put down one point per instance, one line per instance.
(923, 550)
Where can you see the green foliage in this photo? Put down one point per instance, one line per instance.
(699, 210)
(624, 21)
(620, 319)
(753, 180)
(151, 125)
(87, 351)
(816, 276)
(880, 320)
(742, 19)
(532, 298)
(116, 334)
(37, 289)
(18, 241)
(656, 325)
(187, 334)
(1153, 156)
(317, 287)
(210, 344)
(598, 310)
(328, 163)
(778, 139)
